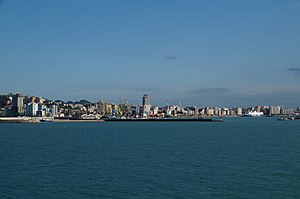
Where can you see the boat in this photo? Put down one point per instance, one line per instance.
(46, 120)
(168, 119)
(289, 118)
(43, 120)
(254, 114)
(283, 119)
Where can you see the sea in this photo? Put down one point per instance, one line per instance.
(237, 158)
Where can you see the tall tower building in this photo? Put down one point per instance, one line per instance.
(146, 100)
(146, 105)
(17, 104)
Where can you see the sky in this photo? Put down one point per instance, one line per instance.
(205, 53)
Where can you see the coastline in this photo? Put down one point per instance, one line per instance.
(74, 121)
(49, 120)
(19, 120)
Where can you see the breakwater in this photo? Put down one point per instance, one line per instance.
(19, 120)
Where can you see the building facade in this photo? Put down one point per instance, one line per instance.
(17, 104)
(146, 105)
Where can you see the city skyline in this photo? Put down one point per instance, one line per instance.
(204, 53)
(19, 105)
(13, 99)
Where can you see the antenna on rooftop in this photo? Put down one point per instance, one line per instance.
(179, 103)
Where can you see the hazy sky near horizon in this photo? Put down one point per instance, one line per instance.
(221, 53)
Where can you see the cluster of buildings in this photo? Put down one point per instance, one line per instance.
(14, 105)
(238, 111)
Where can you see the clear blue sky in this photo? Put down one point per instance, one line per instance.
(222, 53)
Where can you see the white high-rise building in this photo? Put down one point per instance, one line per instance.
(239, 111)
(275, 110)
(31, 109)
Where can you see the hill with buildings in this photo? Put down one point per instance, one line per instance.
(14, 105)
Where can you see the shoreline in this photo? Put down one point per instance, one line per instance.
(28, 120)
(73, 121)
(19, 120)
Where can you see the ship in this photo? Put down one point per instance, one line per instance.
(254, 114)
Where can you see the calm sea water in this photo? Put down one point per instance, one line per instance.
(240, 158)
